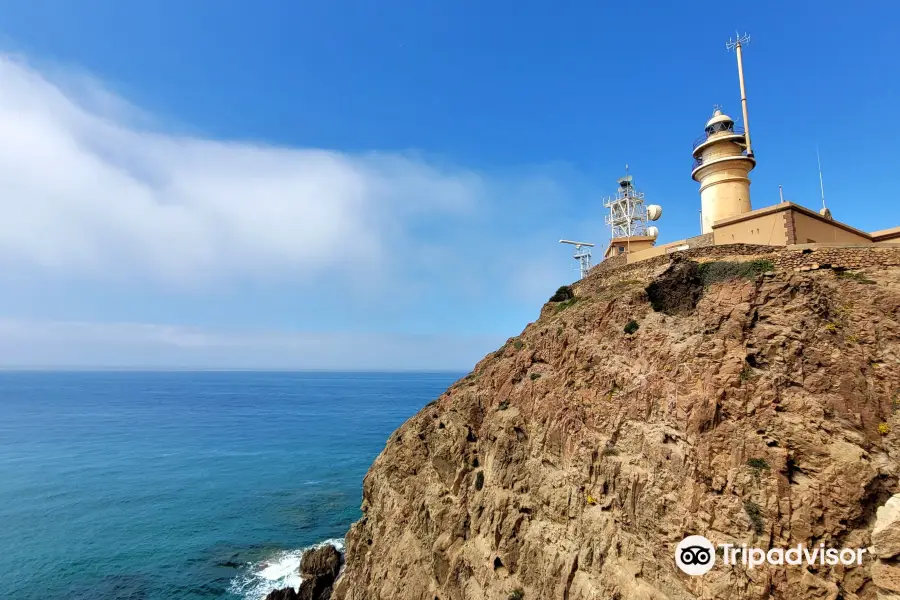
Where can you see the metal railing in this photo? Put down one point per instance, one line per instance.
(704, 137)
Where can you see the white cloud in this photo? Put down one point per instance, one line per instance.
(82, 189)
(106, 215)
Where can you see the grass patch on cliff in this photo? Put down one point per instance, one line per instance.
(754, 513)
(534, 376)
(854, 276)
(479, 480)
(722, 270)
(566, 304)
(517, 594)
(631, 326)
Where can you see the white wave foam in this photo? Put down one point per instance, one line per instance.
(278, 572)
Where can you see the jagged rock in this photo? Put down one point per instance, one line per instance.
(283, 594)
(677, 290)
(886, 576)
(319, 568)
(751, 410)
(886, 533)
(321, 562)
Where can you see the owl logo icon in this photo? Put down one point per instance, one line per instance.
(695, 555)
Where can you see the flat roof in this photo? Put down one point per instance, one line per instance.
(782, 206)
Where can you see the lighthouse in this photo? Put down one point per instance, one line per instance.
(723, 159)
(722, 166)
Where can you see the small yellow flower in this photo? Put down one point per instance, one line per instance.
(591, 500)
(884, 428)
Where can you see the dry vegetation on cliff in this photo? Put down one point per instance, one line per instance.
(756, 408)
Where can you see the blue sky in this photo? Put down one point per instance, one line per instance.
(381, 185)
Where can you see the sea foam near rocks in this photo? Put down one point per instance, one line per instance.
(280, 571)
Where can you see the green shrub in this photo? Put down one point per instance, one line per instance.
(563, 293)
(631, 326)
(534, 376)
(518, 344)
(517, 594)
(754, 512)
(758, 463)
(712, 272)
(503, 405)
(479, 480)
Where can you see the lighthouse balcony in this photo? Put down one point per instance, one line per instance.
(735, 135)
(699, 163)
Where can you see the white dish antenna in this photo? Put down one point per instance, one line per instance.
(653, 231)
(654, 212)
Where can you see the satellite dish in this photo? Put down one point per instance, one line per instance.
(654, 211)
(653, 232)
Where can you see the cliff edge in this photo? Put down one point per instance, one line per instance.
(738, 399)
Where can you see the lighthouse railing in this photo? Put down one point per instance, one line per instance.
(704, 137)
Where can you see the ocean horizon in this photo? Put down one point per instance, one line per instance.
(152, 484)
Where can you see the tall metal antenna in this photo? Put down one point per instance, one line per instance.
(627, 213)
(821, 184)
(736, 45)
(582, 255)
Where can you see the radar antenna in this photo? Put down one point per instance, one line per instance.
(582, 255)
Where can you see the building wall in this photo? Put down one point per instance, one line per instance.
(810, 230)
(634, 244)
(767, 229)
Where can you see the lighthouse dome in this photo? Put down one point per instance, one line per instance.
(719, 122)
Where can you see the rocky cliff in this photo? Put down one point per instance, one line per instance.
(716, 400)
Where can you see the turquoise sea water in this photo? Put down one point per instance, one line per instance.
(180, 486)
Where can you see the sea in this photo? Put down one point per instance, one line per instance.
(185, 485)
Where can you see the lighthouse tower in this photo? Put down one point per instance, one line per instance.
(723, 158)
(722, 166)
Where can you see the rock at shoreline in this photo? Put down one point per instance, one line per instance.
(318, 568)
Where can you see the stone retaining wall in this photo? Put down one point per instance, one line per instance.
(849, 257)
(783, 257)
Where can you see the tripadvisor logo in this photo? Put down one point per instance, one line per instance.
(696, 555)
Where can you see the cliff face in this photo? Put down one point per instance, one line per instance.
(570, 463)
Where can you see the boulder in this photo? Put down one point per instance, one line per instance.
(886, 534)
(886, 576)
(284, 594)
(318, 569)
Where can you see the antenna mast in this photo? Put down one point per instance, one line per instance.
(736, 45)
(821, 185)
(627, 214)
(582, 255)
